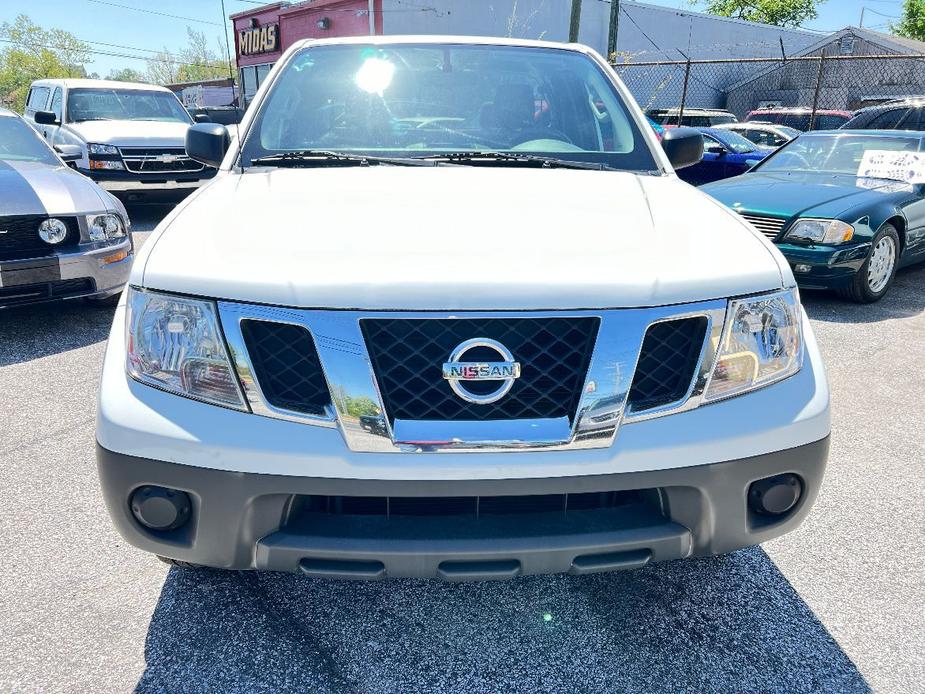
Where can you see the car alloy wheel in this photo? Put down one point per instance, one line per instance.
(880, 267)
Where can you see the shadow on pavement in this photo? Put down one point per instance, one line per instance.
(33, 332)
(906, 298)
(730, 623)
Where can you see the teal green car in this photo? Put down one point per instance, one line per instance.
(845, 207)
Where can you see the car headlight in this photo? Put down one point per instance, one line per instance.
(821, 231)
(52, 230)
(94, 148)
(105, 227)
(762, 343)
(175, 344)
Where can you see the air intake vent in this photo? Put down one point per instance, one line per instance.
(667, 363)
(286, 366)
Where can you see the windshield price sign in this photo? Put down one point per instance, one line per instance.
(908, 167)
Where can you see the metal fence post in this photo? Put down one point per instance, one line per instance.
(687, 75)
(812, 116)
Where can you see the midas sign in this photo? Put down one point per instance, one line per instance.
(263, 39)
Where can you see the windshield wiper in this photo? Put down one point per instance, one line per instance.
(505, 158)
(84, 120)
(322, 157)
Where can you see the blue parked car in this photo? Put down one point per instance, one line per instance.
(841, 223)
(725, 154)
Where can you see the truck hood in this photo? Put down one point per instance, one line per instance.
(455, 238)
(132, 133)
(804, 194)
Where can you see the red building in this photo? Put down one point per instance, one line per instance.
(264, 33)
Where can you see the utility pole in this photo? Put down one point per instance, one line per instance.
(574, 21)
(614, 28)
(861, 24)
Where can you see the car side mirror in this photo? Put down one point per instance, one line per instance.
(202, 118)
(46, 118)
(69, 153)
(207, 143)
(683, 146)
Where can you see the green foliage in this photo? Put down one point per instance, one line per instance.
(782, 13)
(127, 74)
(30, 53)
(195, 62)
(912, 21)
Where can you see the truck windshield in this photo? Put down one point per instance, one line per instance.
(421, 100)
(124, 104)
(19, 142)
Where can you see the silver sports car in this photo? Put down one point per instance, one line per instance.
(61, 235)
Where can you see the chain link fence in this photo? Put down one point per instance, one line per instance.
(815, 83)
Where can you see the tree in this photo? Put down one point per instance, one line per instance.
(32, 53)
(782, 13)
(126, 74)
(191, 64)
(912, 21)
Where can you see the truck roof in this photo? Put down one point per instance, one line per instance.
(99, 84)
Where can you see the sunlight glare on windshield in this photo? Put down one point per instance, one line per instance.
(375, 75)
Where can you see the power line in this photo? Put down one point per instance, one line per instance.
(161, 14)
(117, 55)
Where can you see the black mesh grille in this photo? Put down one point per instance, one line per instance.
(408, 356)
(19, 236)
(26, 293)
(669, 356)
(286, 366)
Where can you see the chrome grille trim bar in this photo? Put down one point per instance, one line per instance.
(350, 377)
(769, 226)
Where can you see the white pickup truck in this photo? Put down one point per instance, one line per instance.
(131, 135)
(447, 311)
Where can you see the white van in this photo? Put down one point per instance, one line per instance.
(132, 136)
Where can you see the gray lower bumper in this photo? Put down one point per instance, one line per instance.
(65, 276)
(251, 521)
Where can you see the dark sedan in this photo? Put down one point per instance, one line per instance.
(846, 208)
(725, 154)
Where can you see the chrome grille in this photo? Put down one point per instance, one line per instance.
(159, 160)
(769, 226)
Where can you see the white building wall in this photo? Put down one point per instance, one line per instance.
(647, 32)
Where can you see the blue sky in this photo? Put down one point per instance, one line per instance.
(103, 22)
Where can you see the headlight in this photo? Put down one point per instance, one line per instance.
(821, 231)
(94, 148)
(762, 343)
(53, 230)
(105, 227)
(174, 343)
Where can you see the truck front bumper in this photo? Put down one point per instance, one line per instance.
(264, 493)
(274, 522)
(155, 183)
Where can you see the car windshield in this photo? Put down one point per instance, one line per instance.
(420, 100)
(736, 142)
(840, 154)
(787, 131)
(124, 104)
(19, 142)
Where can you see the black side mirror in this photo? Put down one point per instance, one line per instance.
(207, 143)
(684, 146)
(69, 153)
(202, 118)
(46, 118)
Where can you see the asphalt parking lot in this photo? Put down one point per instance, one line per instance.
(836, 606)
